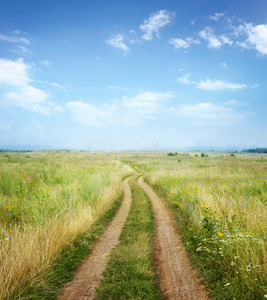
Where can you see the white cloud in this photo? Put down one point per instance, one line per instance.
(88, 114)
(226, 40)
(243, 44)
(14, 73)
(147, 102)
(257, 36)
(208, 35)
(18, 91)
(219, 85)
(128, 111)
(211, 84)
(184, 79)
(22, 50)
(191, 40)
(14, 39)
(217, 16)
(117, 41)
(179, 43)
(208, 113)
(213, 41)
(59, 87)
(155, 22)
(46, 62)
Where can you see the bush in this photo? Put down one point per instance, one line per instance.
(172, 154)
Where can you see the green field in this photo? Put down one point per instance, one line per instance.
(48, 200)
(220, 205)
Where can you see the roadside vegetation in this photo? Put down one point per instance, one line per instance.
(220, 205)
(47, 201)
(131, 272)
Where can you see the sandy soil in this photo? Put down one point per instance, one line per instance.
(89, 274)
(178, 280)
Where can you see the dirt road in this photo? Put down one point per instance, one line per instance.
(89, 274)
(178, 280)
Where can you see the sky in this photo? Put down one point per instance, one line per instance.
(133, 75)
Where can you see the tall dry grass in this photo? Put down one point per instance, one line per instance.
(58, 211)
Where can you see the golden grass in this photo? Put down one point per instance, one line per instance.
(29, 249)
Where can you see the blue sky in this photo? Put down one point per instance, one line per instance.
(133, 75)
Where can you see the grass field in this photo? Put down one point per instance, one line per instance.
(220, 204)
(47, 200)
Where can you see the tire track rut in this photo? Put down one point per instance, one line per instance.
(178, 280)
(89, 274)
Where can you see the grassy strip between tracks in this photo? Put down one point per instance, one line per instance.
(70, 258)
(131, 271)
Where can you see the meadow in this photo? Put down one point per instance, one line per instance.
(47, 200)
(220, 205)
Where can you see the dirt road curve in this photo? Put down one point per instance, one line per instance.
(177, 279)
(89, 274)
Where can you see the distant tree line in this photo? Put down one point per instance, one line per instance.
(256, 150)
(7, 150)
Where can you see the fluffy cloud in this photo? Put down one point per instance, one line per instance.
(214, 42)
(211, 84)
(217, 16)
(180, 43)
(16, 84)
(89, 114)
(14, 73)
(219, 85)
(117, 41)
(257, 36)
(208, 35)
(226, 40)
(155, 22)
(14, 39)
(128, 111)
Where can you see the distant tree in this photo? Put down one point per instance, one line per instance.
(256, 150)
